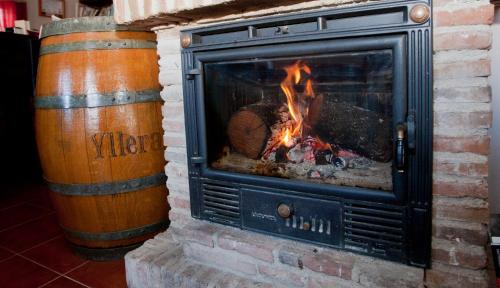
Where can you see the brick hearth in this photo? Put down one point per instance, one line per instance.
(200, 254)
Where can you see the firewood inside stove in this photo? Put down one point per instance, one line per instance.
(363, 131)
(249, 128)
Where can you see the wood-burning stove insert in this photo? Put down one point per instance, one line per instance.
(315, 126)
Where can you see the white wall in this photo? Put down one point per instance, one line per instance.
(494, 159)
(36, 21)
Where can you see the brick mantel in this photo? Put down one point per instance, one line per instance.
(203, 254)
(151, 13)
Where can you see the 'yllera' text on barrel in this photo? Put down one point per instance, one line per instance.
(99, 135)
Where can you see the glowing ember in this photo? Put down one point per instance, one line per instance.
(319, 145)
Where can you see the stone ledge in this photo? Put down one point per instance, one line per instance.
(169, 260)
(150, 13)
(188, 256)
(161, 262)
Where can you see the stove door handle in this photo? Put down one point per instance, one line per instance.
(400, 148)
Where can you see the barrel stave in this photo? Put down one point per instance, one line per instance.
(81, 73)
(116, 212)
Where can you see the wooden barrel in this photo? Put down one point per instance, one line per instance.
(99, 135)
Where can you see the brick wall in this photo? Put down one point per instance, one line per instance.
(462, 113)
(462, 109)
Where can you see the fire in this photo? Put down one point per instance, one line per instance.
(287, 138)
(296, 102)
(300, 102)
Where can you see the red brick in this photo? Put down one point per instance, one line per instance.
(458, 40)
(176, 154)
(328, 265)
(174, 110)
(176, 170)
(227, 280)
(175, 125)
(445, 276)
(188, 273)
(466, 15)
(249, 244)
(479, 119)
(330, 262)
(171, 94)
(473, 144)
(463, 94)
(179, 216)
(439, 3)
(292, 256)
(329, 282)
(170, 77)
(248, 283)
(179, 203)
(463, 69)
(478, 215)
(471, 233)
(457, 254)
(288, 278)
(379, 273)
(174, 139)
(462, 169)
(192, 273)
(200, 233)
(463, 209)
(477, 189)
(226, 260)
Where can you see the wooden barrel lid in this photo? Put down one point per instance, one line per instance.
(84, 24)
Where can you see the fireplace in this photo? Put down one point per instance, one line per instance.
(315, 127)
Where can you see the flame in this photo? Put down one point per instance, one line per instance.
(297, 110)
(309, 89)
(298, 104)
(286, 137)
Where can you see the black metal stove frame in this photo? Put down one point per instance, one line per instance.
(394, 226)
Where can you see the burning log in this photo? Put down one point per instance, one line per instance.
(363, 131)
(249, 128)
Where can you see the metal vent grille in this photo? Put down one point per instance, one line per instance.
(221, 202)
(374, 230)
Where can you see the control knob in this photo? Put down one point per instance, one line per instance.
(284, 210)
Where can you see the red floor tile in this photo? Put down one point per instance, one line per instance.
(37, 194)
(34, 193)
(30, 234)
(4, 254)
(30, 227)
(18, 272)
(20, 213)
(63, 282)
(109, 274)
(56, 255)
(7, 201)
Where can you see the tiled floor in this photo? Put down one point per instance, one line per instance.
(33, 252)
